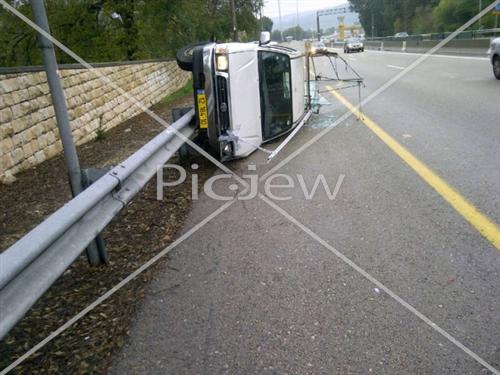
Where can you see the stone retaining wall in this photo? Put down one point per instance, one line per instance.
(28, 129)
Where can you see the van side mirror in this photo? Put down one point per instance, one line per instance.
(265, 37)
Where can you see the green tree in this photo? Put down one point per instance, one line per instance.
(451, 14)
(417, 16)
(118, 30)
(267, 24)
(296, 32)
(423, 20)
(390, 16)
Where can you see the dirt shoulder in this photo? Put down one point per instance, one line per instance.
(141, 230)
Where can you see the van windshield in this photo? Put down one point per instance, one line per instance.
(275, 93)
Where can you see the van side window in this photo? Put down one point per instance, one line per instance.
(275, 93)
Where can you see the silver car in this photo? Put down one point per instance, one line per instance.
(353, 44)
(494, 53)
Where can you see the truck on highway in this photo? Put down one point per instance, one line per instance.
(246, 94)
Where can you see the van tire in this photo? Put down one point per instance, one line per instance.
(496, 67)
(184, 56)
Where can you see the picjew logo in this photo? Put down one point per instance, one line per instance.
(278, 187)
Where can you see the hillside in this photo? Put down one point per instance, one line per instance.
(308, 20)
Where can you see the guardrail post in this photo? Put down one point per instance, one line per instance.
(61, 112)
(96, 250)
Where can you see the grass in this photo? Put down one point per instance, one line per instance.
(100, 135)
(186, 90)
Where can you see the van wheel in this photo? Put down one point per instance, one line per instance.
(496, 67)
(184, 56)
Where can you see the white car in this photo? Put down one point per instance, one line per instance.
(318, 47)
(494, 53)
(353, 44)
(245, 93)
(401, 35)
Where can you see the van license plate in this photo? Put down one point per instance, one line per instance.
(202, 109)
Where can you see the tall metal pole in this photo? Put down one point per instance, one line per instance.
(58, 99)
(95, 250)
(317, 25)
(373, 26)
(261, 21)
(281, 23)
(298, 19)
(480, 10)
(235, 27)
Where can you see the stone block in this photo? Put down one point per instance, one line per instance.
(40, 157)
(27, 150)
(7, 178)
(17, 155)
(21, 123)
(6, 130)
(6, 162)
(6, 146)
(20, 96)
(6, 115)
(9, 85)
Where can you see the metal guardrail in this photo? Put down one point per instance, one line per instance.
(30, 266)
(470, 34)
(468, 47)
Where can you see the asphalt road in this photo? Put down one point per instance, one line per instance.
(252, 292)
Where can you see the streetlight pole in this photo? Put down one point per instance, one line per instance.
(373, 26)
(480, 9)
(281, 23)
(298, 20)
(235, 27)
(261, 21)
(58, 98)
(96, 252)
(318, 30)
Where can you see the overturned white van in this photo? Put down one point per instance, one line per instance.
(246, 93)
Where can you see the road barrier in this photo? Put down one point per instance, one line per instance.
(468, 47)
(30, 266)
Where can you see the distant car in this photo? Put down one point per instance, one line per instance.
(401, 35)
(318, 47)
(353, 44)
(494, 53)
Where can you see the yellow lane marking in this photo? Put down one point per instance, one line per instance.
(481, 222)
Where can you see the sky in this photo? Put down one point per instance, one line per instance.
(290, 6)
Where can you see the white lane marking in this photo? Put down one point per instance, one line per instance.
(353, 59)
(396, 67)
